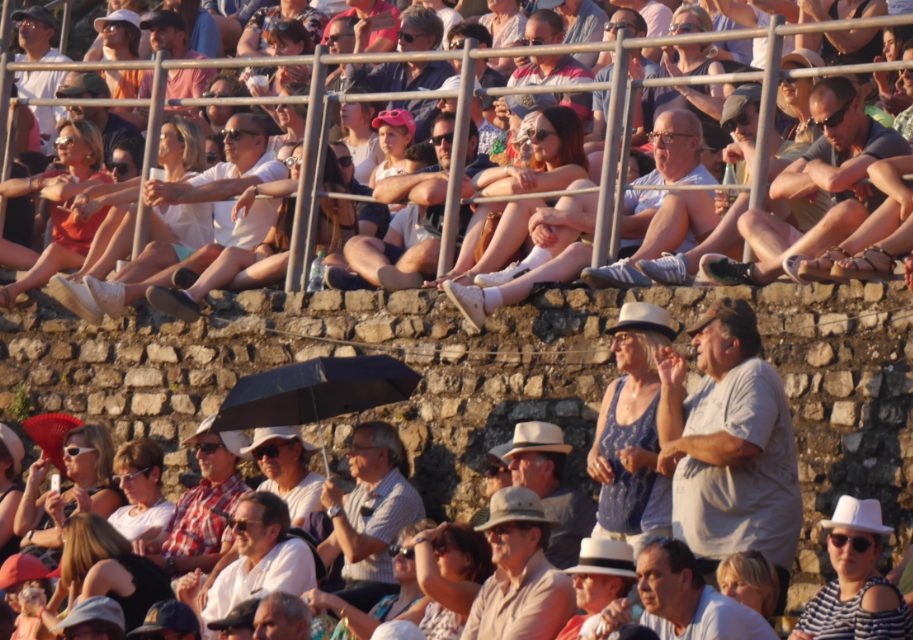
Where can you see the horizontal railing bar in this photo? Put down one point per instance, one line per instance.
(348, 196)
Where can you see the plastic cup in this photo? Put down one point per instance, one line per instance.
(158, 174)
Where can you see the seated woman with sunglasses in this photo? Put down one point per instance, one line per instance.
(408, 604)
(80, 153)
(237, 269)
(87, 455)
(452, 561)
(558, 159)
(98, 561)
(186, 227)
(140, 465)
(860, 603)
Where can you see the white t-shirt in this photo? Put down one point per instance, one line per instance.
(303, 499)
(759, 45)
(133, 526)
(365, 157)
(191, 223)
(288, 567)
(249, 231)
(43, 84)
(406, 222)
(716, 617)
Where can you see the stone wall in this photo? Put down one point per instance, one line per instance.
(842, 351)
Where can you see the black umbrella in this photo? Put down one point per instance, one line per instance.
(314, 390)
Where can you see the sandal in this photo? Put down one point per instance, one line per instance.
(873, 263)
(819, 269)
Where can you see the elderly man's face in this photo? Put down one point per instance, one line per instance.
(658, 587)
(512, 544)
(270, 623)
(411, 38)
(531, 470)
(675, 146)
(595, 591)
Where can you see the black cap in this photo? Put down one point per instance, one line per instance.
(162, 19)
(89, 82)
(240, 617)
(168, 615)
(36, 12)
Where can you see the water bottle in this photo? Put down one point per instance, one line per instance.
(315, 275)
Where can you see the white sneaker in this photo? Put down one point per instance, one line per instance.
(620, 275)
(109, 296)
(670, 269)
(791, 266)
(469, 300)
(510, 272)
(75, 297)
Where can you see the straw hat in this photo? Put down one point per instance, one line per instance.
(646, 317)
(514, 504)
(14, 445)
(539, 436)
(861, 515)
(605, 557)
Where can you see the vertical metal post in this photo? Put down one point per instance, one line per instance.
(65, 21)
(7, 150)
(458, 160)
(151, 154)
(760, 188)
(610, 157)
(627, 134)
(319, 151)
(6, 134)
(300, 252)
(6, 25)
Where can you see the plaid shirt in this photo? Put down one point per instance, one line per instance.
(198, 526)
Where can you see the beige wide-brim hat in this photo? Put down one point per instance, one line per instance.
(14, 445)
(121, 15)
(234, 441)
(265, 434)
(645, 317)
(514, 504)
(605, 557)
(543, 437)
(861, 515)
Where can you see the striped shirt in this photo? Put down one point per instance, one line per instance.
(827, 618)
(381, 513)
(199, 524)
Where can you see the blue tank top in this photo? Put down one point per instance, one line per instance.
(622, 503)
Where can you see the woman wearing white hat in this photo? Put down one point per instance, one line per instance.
(860, 603)
(11, 454)
(634, 502)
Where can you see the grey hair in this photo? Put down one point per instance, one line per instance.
(292, 607)
(426, 20)
(384, 434)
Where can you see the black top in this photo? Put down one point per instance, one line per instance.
(12, 545)
(152, 585)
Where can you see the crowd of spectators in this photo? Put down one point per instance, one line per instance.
(695, 527)
(694, 532)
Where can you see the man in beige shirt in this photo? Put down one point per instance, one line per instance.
(526, 598)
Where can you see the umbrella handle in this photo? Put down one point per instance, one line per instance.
(326, 462)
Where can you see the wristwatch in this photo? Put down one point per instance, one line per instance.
(171, 566)
(334, 511)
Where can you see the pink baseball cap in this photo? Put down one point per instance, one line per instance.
(395, 118)
(20, 567)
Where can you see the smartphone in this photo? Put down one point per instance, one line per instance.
(55, 483)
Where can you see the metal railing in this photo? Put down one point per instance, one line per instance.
(619, 118)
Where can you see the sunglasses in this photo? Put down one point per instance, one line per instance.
(836, 118)
(73, 451)
(539, 135)
(269, 450)
(207, 448)
(240, 526)
(345, 161)
(613, 27)
(397, 550)
(112, 27)
(532, 42)
(457, 44)
(235, 134)
(129, 477)
(64, 141)
(685, 27)
(439, 140)
(120, 169)
(333, 39)
(741, 120)
(408, 38)
(290, 162)
(860, 545)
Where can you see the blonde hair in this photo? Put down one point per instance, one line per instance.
(702, 16)
(752, 568)
(650, 342)
(100, 440)
(194, 157)
(413, 529)
(89, 539)
(90, 135)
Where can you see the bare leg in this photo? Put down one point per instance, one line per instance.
(121, 243)
(466, 259)
(767, 235)
(261, 274)
(724, 238)
(877, 229)
(104, 237)
(564, 268)
(667, 231)
(15, 256)
(512, 232)
(54, 259)
(221, 272)
(365, 256)
(199, 261)
(155, 257)
(421, 258)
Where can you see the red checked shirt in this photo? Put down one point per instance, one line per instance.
(199, 525)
